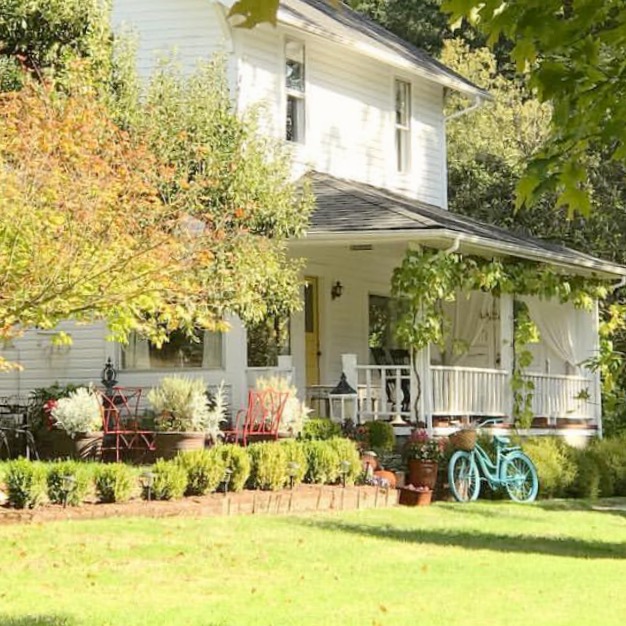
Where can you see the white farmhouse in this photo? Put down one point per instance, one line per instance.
(364, 114)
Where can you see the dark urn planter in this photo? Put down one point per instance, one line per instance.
(168, 445)
(422, 473)
(57, 444)
(53, 444)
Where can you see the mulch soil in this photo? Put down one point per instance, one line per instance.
(301, 499)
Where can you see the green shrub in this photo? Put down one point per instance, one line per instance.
(114, 483)
(294, 453)
(79, 483)
(237, 460)
(555, 466)
(588, 474)
(347, 452)
(25, 482)
(320, 429)
(379, 436)
(322, 463)
(268, 466)
(170, 481)
(610, 455)
(205, 470)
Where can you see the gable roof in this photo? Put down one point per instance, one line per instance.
(341, 24)
(347, 210)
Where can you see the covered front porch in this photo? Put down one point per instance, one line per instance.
(347, 324)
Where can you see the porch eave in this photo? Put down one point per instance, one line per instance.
(440, 237)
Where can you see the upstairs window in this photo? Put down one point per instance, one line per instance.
(294, 83)
(403, 126)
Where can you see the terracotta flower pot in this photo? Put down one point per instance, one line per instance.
(415, 497)
(422, 473)
(168, 445)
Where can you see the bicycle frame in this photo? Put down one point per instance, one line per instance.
(490, 471)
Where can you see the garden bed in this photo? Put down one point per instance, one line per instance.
(301, 499)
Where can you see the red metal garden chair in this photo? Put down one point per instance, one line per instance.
(260, 420)
(122, 430)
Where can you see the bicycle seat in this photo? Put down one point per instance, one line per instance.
(502, 441)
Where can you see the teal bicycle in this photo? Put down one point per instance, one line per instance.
(511, 469)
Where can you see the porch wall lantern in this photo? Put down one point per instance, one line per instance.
(336, 291)
(343, 401)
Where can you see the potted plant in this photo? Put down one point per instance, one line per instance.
(295, 413)
(80, 416)
(185, 415)
(52, 441)
(423, 454)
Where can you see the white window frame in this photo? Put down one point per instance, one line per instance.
(402, 128)
(299, 96)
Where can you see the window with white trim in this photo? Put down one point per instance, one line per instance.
(295, 90)
(403, 125)
(202, 351)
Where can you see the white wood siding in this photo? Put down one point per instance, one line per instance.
(350, 131)
(192, 30)
(344, 322)
(45, 364)
(83, 361)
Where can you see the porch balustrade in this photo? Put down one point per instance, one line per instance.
(460, 391)
(384, 391)
(557, 396)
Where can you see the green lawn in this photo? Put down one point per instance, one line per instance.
(485, 564)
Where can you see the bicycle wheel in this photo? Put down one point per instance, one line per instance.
(463, 476)
(520, 477)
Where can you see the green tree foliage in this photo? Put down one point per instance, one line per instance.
(44, 37)
(154, 213)
(572, 53)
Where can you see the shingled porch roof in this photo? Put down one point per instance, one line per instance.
(352, 212)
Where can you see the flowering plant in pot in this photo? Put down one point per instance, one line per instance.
(80, 416)
(423, 453)
(185, 414)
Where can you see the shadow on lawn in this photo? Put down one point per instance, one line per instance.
(37, 620)
(477, 540)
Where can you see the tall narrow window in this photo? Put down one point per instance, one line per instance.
(294, 83)
(403, 126)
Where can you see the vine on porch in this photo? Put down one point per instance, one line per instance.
(427, 278)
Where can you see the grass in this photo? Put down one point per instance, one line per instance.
(497, 563)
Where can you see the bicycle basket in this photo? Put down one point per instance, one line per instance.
(464, 439)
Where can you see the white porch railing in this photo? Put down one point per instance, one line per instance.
(556, 396)
(469, 391)
(384, 391)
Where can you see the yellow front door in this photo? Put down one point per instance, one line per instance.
(311, 331)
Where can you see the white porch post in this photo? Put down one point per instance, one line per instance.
(596, 395)
(507, 355)
(424, 404)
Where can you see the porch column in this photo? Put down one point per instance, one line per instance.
(507, 347)
(421, 365)
(596, 395)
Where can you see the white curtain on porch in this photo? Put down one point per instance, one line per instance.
(469, 315)
(570, 333)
